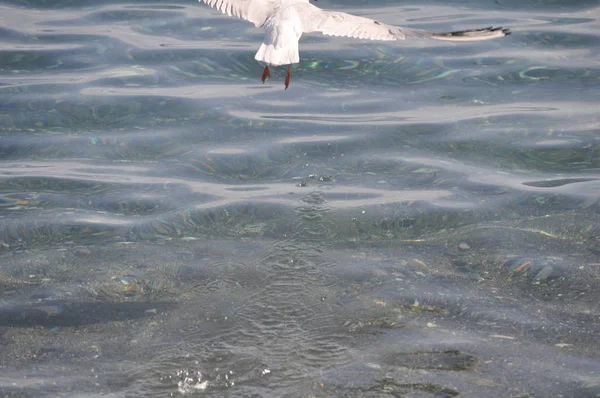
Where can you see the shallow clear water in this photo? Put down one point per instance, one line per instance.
(411, 219)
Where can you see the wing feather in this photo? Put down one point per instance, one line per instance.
(255, 11)
(335, 23)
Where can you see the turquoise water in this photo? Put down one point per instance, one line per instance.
(410, 219)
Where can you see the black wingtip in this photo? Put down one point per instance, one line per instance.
(474, 32)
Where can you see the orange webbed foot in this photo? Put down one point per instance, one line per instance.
(266, 73)
(288, 77)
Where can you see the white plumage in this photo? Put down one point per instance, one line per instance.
(285, 21)
(282, 33)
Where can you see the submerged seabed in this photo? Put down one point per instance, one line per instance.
(415, 219)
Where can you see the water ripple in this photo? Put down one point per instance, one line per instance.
(411, 217)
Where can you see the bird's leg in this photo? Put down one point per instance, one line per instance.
(288, 76)
(266, 73)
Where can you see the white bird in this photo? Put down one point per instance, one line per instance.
(285, 21)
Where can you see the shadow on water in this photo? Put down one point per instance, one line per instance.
(54, 313)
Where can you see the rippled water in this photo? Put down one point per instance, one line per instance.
(412, 219)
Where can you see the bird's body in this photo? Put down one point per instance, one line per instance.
(282, 32)
(285, 21)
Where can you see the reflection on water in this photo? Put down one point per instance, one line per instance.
(408, 219)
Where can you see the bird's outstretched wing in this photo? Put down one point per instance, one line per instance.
(255, 11)
(336, 23)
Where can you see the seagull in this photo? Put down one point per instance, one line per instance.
(285, 21)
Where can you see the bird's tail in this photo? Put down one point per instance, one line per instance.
(467, 35)
(278, 55)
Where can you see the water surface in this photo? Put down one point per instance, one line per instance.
(411, 219)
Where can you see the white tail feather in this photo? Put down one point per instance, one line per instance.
(282, 55)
